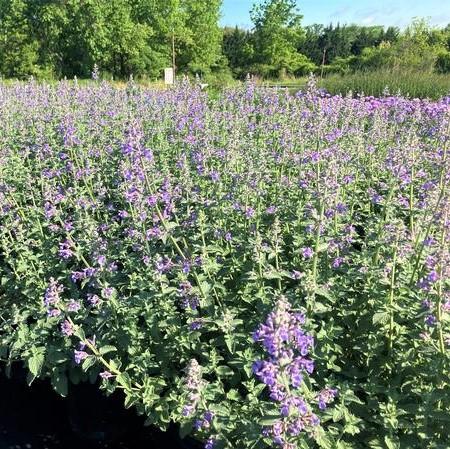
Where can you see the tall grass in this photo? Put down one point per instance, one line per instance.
(408, 83)
(412, 84)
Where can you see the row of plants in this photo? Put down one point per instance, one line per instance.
(263, 269)
(378, 83)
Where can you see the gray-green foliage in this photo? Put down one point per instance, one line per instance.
(159, 228)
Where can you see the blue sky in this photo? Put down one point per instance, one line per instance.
(364, 12)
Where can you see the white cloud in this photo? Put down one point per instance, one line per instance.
(368, 20)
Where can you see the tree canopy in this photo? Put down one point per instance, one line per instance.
(58, 38)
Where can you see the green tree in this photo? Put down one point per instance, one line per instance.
(19, 50)
(238, 48)
(202, 50)
(127, 40)
(310, 45)
(191, 26)
(168, 21)
(278, 33)
(83, 41)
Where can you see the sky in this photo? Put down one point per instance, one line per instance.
(364, 12)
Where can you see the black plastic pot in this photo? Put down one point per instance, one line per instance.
(37, 417)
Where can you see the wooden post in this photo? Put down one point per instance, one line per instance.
(323, 61)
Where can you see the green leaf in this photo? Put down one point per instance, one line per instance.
(80, 334)
(269, 420)
(272, 275)
(338, 414)
(390, 443)
(323, 440)
(229, 341)
(380, 317)
(88, 362)
(124, 380)
(60, 383)
(321, 291)
(106, 349)
(224, 370)
(233, 395)
(36, 362)
(130, 401)
(351, 429)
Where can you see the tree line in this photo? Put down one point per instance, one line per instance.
(66, 38)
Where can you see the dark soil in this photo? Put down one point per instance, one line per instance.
(37, 418)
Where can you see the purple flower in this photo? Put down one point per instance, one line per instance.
(198, 424)
(429, 241)
(108, 292)
(188, 410)
(153, 233)
(249, 212)
(84, 274)
(67, 328)
(49, 210)
(208, 416)
(105, 375)
(325, 397)
(163, 265)
(73, 306)
(80, 356)
(52, 293)
(214, 176)
(432, 276)
(287, 345)
(65, 251)
(307, 252)
(52, 313)
(267, 372)
(205, 422)
(196, 325)
(94, 300)
(194, 385)
(186, 266)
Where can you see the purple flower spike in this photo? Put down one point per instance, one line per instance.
(288, 345)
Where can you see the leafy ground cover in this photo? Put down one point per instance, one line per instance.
(262, 269)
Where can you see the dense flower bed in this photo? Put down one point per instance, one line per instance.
(265, 269)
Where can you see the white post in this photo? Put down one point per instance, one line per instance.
(168, 75)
